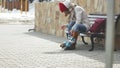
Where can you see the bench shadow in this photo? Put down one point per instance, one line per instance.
(81, 49)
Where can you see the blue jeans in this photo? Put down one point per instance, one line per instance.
(80, 28)
(70, 25)
(77, 27)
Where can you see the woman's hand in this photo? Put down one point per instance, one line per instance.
(63, 27)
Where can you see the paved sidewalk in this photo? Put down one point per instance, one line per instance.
(22, 49)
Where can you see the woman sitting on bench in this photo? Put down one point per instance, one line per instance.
(78, 23)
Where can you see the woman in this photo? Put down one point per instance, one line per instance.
(78, 23)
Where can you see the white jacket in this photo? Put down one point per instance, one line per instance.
(81, 16)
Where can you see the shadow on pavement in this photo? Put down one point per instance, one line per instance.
(46, 36)
(81, 49)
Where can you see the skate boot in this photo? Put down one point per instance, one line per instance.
(72, 41)
(63, 44)
(70, 45)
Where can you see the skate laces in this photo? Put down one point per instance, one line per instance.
(72, 39)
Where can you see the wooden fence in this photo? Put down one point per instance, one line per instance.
(15, 4)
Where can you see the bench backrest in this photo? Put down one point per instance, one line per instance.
(98, 26)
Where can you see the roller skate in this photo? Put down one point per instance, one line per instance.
(69, 45)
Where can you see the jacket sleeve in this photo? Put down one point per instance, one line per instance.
(78, 14)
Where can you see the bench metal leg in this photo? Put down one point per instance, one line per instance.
(92, 42)
(115, 49)
(83, 40)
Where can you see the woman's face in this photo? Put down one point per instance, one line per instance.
(67, 12)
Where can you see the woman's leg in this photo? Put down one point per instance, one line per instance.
(67, 31)
(69, 27)
(76, 29)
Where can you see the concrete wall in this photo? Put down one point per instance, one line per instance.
(48, 18)
(97, 6)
